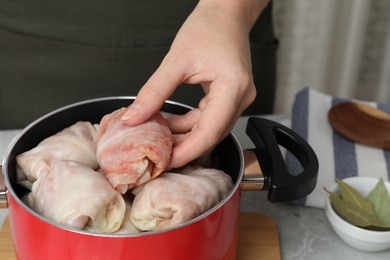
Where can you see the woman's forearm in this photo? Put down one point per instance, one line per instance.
(243, 11)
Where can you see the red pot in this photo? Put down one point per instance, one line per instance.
(212, 235)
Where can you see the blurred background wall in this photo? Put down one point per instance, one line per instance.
(341, 48)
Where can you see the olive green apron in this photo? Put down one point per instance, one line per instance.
(108, 49)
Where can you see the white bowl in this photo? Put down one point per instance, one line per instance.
(359, 238)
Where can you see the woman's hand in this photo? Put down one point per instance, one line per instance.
(211, 48)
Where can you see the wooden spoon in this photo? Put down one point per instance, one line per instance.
(361, 123)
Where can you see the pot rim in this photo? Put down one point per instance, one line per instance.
(11, 192)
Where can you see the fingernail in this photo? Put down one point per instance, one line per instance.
(131, 112)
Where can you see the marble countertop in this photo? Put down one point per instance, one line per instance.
(304, 232)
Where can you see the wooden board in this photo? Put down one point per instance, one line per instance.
(6, 244)
(257, 239)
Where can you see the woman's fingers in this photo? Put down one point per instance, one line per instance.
(205, 130)
(153, 94)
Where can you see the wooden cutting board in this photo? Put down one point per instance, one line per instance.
(257, 239)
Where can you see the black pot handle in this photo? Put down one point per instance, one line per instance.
(267, 135)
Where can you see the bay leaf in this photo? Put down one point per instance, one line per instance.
(333, 195)
(351, 195)
(380, 200)
(351, 212)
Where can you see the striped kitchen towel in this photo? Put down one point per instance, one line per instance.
(337, 156)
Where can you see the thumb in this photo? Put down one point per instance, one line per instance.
(153, 94)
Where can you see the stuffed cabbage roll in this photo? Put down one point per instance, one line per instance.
(127, 226)
(74, 195)
(132, 155)
(174, 198)
(75, 143)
